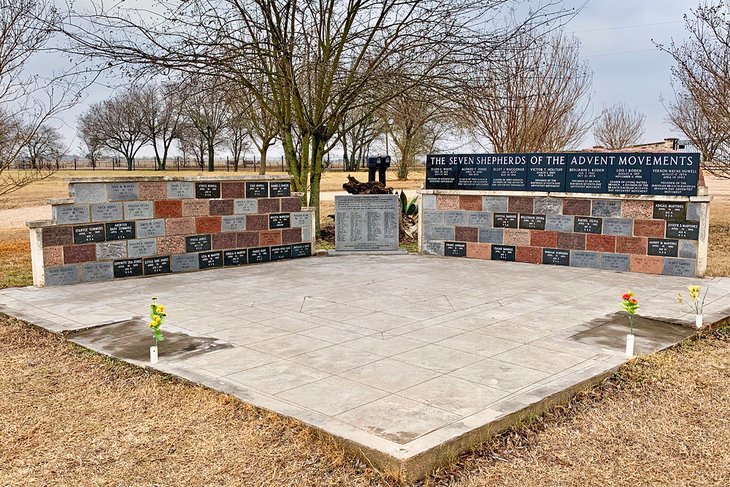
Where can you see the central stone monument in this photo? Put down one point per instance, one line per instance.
(367, 222)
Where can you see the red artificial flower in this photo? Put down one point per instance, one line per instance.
(633, 301)
(626, 296)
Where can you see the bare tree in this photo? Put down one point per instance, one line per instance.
(161, 108)
(619, 126)
(528, 96)
(356, 139)
(207, 111)
(46, 144)
(118, 123)
(91, 145)
(687, 115)
(237, 137)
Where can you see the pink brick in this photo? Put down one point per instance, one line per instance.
(232, 190)
(291, 235)
(516, 237)
(180, 226)
(270, 237)
(224, 241)
(53, 256)
(196, 207)
(648, 264)
(447, 202)
(478, 250)
(291, 204)
(170, 245)
(156, 190)
(73, 254)
(637, 209)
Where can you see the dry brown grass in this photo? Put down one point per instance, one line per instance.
(15, 265)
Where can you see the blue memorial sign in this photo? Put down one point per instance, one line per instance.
(509, 171)
(546, 172)
(675, 174)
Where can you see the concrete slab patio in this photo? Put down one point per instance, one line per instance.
(406, 359)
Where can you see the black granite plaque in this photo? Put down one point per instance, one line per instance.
(587, 224)
(503, 252)
(675, 173)
(546, 172)
(505, 220)
(235, 257)
(257, 190)
(260, 254)
(664, 247)
(532, 222)
(509, 171)
(206, 260)
(454, 249)
(127, 268)
(587, 173)
(157, 265)
(670, 211)
(207, 190)
(88, 234)
(473, 173)
(197, 243)
(281, 252)
(279, 189)
(120, 231)
(556, 256)
(442, 172)
(279, 220)
(630, 173)
(301, 250)
(683, 230)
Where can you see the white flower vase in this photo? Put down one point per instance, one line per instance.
(630, 338)
(698, 321)
(153, 355)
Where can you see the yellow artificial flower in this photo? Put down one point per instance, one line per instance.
(161, 308)
(680, 300)
(151, 324)
(694, 292)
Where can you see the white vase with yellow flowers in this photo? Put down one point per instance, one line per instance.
(696, 302)
(157, 317)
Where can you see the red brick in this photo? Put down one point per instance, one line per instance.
(521, 204)
(291, 204)
(576, 207)
(224, 241)
(447, 202)
(152, 190)
(637, 209)
(257, 222)
(631, 245)
(471, 203)
(247, 239)
(291, 235)
(73, 254)
(269, 205)
(478, 250)
(571, 241)
(53, 256)
(270, 237)
(648, 264)
(533, 255)
(208, 224)
(601, 243)
(649, 228)
(168, 208)
(221, 207)
(543, 238)
(180, 226)
(232, 190)
(54, 236)
(466, 234)
(196, 207)
(516, 237)
(171, 245)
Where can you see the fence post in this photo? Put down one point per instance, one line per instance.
(254, 163)
(74, 163)
(282, 163)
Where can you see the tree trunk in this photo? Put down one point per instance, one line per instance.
(318, 146)
(211, 157)
(130, 162)
(262, 163)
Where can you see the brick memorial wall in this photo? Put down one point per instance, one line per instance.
(111, 229)
(662, 233)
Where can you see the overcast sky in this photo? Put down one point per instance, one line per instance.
(616, 37)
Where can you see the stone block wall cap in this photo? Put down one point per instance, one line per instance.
(592, 196)
(137, 179)
(40, 223)
(61, 201)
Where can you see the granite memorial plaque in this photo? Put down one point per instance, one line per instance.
(559, 223)
(670, 211)
(127, 268)
(206, 260)
(616, 262)
(301, 250)
(197, 243)
(679, 267)
(454, 249)
(89, 234)
(442, 171)
(259, 254)
(587, 224)
(138, 210)
(245, 205)
(281, 252)
(257, 190)
(278, 220)
(233, 223)
(505, 220)
(185, 262)
(587, 173)
(532, 222)
(301, 219)
(473, 173)
(509, 171)
(97, 271)
(120, 231)
(180, 190)
(145, 247)
(279, 189)
(555, 256)
(111, 250)
(122, 191)
(235, 257)
(491, 235)
(479, 219)
(503, 252)
(675, 174)
(684, 230)
(150, 228)
(618, 226)
(367, 222)
(66, 214)
(582, 258)
(546, 172)
(207, 190)
(157, 265)
(629, 173)
(106, 212)
(61, 276)
(663, 246)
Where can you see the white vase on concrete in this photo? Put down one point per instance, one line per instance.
(153, 354)
(630, 338)
(698, 321)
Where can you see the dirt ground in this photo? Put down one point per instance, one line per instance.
(72, 417)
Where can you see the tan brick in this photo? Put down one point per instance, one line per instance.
(447, 202)
(516, 237)
(637, 209)
(648, 264)
(478, 250)
(53, 256)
